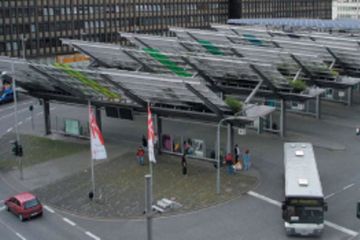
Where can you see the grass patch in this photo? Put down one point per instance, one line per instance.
(36, 150)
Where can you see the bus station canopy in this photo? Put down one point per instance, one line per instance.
(169, 95)
(323, 66)
(339, 52)
(229, 74)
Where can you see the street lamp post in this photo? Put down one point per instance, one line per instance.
(218, 151)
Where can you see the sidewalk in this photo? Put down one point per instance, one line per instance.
(65, 182)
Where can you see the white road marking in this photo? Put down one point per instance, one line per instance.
(266, 199)
(330, 195)
(9, 130)
(28, 118)
(329, 224)
(69, 221)
(49, 209)
(348, 186)
(21, 122)
(92, 236)
(20, 236)
(11, 114)
(2, 208)
(341, 229)
(12, 106)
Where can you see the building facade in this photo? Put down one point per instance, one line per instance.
(346, 9)
(280, 9)
(38, 25)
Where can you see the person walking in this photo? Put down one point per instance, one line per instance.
(144, 141)
(237, 153)
(247, 160)
(229, 163)
(184, 164)
(140, 155)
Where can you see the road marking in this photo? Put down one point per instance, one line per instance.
(12, 230)
(20, 236)
(348, 186)
(92, 236)
(21, 122)
(329, 224)
(341, 229)
(266, 199)
(49, 209)
(330, 195)
(12, 106)
(9, 130)
(2, 208)
(69, 221)
(10, 114)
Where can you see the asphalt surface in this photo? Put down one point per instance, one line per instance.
(249, 217)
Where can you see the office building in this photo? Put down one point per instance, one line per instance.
(346, 9)
(40, 24)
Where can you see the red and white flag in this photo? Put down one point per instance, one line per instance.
(151, 137)
(98, 151)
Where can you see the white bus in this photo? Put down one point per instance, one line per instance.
(304, 206)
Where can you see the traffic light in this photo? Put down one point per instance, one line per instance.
(17, 148)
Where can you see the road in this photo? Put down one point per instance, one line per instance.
(253, 216)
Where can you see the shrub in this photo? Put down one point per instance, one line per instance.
(234, 104)
(298, 85)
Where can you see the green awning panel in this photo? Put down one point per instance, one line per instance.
(86, 81)
(163, 59)
(211, 48)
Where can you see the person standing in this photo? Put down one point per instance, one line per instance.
(229, 163)
(237, 153)
(144, 141)
(247, 160)
(184, 164)
(140, 155)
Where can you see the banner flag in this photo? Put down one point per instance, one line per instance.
(98, 151)
(151, 137)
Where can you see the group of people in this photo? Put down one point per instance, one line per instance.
(238, 161)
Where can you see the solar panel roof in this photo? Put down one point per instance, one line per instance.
(115, 86)
(311, 23)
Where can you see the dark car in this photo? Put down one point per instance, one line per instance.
(24, 205)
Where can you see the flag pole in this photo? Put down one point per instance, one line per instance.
(91, 158)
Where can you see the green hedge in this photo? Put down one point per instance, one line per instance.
(234, 104)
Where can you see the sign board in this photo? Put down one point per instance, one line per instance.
(199, 147)
(341, 94)
(72, 127)
(242, 131)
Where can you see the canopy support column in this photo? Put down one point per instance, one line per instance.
(230, 138)
(282, 117)
(158, 124)
(318, 107)
(98, 117)
(47, 121)
(349, 96)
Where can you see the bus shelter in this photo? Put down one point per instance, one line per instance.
(226, 75)
(124, 92)
(323, 66)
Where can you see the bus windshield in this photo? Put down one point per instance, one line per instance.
(304, 214)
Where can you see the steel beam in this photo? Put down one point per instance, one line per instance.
(212, 107)
(46, 106)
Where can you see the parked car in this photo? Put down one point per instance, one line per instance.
(24, 205)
